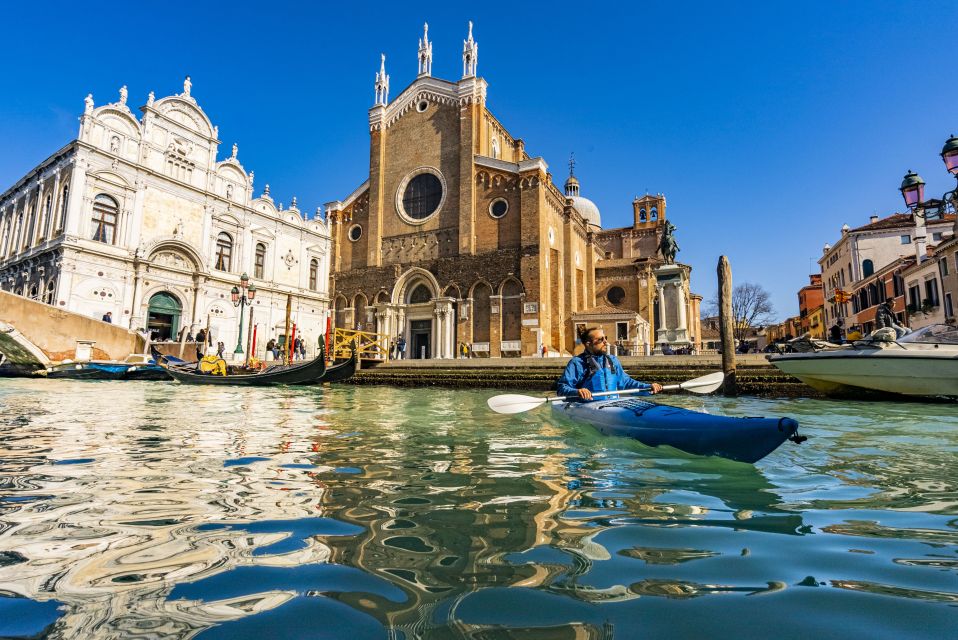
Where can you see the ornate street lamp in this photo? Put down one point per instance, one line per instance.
(913, 190)
(242, 296)
(949, 153)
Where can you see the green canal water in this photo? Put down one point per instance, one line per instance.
(154, 510)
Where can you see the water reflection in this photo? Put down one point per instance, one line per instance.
(178, 512)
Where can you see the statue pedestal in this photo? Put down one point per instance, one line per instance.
(671, 329)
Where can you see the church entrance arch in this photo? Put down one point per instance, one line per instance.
(163, 316)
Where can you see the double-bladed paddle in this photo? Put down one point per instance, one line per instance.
(515, 403)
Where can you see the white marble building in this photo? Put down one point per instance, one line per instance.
(138, 217)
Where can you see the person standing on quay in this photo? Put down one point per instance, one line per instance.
(401, 347)
(108, 317)
(595, 370)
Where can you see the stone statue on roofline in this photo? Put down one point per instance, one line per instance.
(668, 247)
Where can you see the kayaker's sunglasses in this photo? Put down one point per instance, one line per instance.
(599, 340)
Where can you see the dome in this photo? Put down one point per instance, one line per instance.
(587, 210)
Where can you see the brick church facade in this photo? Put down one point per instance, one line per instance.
(460, 236)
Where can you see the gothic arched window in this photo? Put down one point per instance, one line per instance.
(868, 268)
(224, 251)
(105, 214)
(61, 212)
(259, 263)
(313, 274)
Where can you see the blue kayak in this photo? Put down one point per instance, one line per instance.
(742, 439)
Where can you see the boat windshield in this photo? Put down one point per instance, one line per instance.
(933, 334)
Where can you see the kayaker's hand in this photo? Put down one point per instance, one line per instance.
(585, 394)
(656, 387)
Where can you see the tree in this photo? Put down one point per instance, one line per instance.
(751, 306)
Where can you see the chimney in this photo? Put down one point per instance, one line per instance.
(873, 219)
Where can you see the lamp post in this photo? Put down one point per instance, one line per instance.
(913, 187)
(242, 296)
(949, 155)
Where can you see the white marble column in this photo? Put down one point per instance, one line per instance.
(683, 326)
(661, 331)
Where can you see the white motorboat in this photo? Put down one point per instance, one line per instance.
(920, 364)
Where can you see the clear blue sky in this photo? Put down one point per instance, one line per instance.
(767, 124)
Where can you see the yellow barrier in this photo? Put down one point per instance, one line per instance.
(369, 346)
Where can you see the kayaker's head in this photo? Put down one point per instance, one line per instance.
(594, 340)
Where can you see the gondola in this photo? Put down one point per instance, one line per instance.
(305, 373)
(342, 371)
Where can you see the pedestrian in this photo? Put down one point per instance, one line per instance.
(885, 317)
(401, 346)
(302, 349)
(189, 336)
(297, 343)
(545, 351)
(220, 349)
(392, 348)
(108, 317)
(200, 344)
(835, 333)
(595, 370)
(465, 351)
(271, 347)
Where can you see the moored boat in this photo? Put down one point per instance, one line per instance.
(301, 373)
(342, 371)
(652, 424)
(923, 364)
(135, 367)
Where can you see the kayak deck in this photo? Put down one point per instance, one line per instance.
(742, 439)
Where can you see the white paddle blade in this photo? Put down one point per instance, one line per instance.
(513, 403)
(705, 384)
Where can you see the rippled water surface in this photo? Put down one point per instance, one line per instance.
(154, 510)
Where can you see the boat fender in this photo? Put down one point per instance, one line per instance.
(787, 424)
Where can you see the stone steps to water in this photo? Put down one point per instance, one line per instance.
(753, 379)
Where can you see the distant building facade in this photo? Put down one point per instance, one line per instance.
(138, 218)
(862, 251)
(811, 299)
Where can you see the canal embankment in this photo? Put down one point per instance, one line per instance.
(755, 375)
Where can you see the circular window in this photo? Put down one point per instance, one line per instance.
(355, 232)
(420, 195)
(498, 208)
(615, 295)
(422, 106)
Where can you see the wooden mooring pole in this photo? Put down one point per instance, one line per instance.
(727, 326)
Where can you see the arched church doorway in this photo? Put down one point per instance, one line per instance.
(163, 318)
(420, 338)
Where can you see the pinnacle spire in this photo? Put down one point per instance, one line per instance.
(382, 83)
(470, 55)
(425, 52)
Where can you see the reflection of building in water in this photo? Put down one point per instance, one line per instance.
(450, 532)
(114, 576)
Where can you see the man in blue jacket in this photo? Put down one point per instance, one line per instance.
(596, 370)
